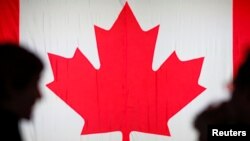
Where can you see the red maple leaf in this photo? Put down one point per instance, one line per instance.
(125, 94)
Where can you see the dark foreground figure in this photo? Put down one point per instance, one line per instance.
(233, 114)
(19, 75)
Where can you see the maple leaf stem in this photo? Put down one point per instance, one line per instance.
(125, 136)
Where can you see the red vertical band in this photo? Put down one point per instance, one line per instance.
(9, 20)
(241, 31)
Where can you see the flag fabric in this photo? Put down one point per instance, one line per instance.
(214, 30)
(9, 21)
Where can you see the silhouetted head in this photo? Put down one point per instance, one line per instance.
(19, 75)
(242, 79)
(241, 83)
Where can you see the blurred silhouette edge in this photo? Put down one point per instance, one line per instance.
(235, 111)
(20, 72)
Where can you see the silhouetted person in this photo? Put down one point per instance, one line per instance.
(236, 111)
(19, 75)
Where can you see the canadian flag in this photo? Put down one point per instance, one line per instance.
(127, 70)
